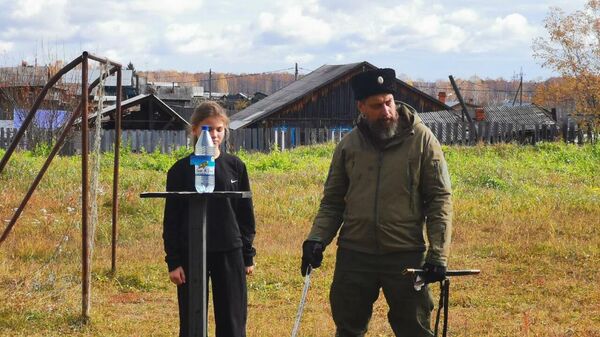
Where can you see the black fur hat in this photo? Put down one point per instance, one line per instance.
(373, 82)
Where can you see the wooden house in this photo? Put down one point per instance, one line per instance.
(322, 99)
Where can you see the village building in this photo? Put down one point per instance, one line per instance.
(322, 99)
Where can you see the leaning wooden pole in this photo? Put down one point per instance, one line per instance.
(85, 239)
(40, 175)
(115, 210)
(465, 113)
(53, 153)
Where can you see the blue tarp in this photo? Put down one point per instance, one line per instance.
(45, 119)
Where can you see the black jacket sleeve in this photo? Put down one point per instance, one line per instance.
(172, 221)
(245, 218)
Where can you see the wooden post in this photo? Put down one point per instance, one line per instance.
(85, 238)
(115, 196)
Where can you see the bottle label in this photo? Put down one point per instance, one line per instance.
(204, 165)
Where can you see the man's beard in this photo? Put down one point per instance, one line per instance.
(382, 129)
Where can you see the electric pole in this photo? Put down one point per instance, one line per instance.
(209, 83)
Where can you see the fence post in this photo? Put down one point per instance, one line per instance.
(579, 135)
(297, 136)
(509, 133)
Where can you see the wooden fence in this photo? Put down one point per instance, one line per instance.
(266, 139)
(164, 141)
(6, 137)
(136, 140)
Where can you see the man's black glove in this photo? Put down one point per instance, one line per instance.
(312, 254)
(433, 273)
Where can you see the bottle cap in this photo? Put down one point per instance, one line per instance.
(204, 127)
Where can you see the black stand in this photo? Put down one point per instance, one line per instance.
(195, 276)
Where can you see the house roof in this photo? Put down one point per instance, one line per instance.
(442, 116)
(290, 93)
(296, 90)
(528, 115)
(136, 101)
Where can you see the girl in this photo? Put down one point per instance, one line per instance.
(230, 230)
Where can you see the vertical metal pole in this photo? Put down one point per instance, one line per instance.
(85, 245)
(115, 210)
(296, 73)
(196, 273)
(209, 83)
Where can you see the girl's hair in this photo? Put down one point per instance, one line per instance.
(205, 110)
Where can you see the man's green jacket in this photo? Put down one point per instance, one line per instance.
(381, 197)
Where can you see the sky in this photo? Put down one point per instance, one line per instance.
(421, 40)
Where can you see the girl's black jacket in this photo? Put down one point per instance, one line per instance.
(230, 222)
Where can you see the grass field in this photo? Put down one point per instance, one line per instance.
(528, 217)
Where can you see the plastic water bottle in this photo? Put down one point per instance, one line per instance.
(204, 163)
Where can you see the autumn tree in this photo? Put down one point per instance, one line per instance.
(572, 48)
(221, 84)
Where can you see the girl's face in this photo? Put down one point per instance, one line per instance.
(216, 128)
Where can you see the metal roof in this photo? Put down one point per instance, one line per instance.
(528, 115)
(291, 93)
(442, 116)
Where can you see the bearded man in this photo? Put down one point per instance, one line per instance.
(388, 187)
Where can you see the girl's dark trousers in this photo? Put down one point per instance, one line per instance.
(227, 275)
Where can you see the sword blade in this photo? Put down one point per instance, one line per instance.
(302, 302)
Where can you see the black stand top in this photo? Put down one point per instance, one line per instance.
(215, 194)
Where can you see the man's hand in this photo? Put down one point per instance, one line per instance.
(177, 276)
(433, 273)
(312, 254)
(249, 270)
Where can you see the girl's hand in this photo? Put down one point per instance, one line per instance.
(249, 270)
(177, 276)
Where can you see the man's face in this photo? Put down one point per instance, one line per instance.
(380, 113)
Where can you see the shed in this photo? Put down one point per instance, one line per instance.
(143, 112)
(323, 98)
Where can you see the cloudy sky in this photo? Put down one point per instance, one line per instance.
(423, 39)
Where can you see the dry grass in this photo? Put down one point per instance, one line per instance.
(529, 217)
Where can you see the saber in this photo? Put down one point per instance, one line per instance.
(444, 292)
(302, 301)
(420, 282)
(459, 272)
